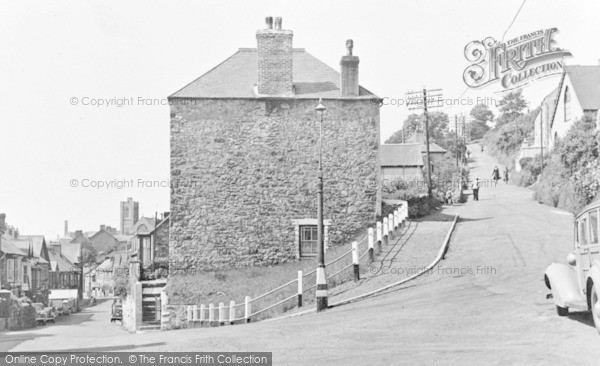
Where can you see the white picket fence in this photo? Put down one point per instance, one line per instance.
(221, 314)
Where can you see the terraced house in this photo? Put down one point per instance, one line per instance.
(244, 156)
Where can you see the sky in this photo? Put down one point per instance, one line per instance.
(59, 60)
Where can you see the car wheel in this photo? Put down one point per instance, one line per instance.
(562, 311)
(595, 308)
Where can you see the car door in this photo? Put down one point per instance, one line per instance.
(583, 250)
(594, 230)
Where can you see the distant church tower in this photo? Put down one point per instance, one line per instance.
(129, 215)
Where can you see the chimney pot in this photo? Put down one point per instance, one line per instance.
(269, 22)
(278, 23)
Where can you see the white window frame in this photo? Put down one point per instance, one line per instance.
(309, 222)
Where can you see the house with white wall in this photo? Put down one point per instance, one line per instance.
(579, 94)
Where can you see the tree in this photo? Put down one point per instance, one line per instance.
(477, 129)
(580, 145)
(481, 113)
(511, 106)
(88, 254)
(438, 126)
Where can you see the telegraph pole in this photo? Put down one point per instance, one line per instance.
(420, 97)
(542, 141)
(456, 136)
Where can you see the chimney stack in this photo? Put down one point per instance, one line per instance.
(349, 72)
(275, 54)
(2, 223)
(66, 228)
(102, 227)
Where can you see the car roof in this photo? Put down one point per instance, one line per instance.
(591, 206)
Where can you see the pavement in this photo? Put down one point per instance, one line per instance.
(484, 304)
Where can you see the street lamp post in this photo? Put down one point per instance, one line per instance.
(321, 278)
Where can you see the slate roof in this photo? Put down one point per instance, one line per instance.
(8, 246)
(59, 262)
(433, 148)
(36, 242)
(71, 251)
(237, 76)
(586, 82)
(400, 155)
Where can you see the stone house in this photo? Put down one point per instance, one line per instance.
(63, 272)
(14, 264)
(152, 247)
(436, 152)
(37, 272)
(401, 162)
(244, 157)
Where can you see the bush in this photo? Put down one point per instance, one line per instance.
(571, 172)
(159, 268)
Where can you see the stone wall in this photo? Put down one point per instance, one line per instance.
(14, 316)
(243, 170)
(161, 242)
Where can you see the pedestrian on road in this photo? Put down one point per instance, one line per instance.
(506, 174)
(481, 147)
(449, 197)
(475, 189)
(496, 175)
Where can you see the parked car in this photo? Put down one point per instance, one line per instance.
(40, 314)
(50, 313)
(576, 285)
(117, 312)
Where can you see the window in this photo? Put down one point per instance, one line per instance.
(594, 227)
(308, 240)
(583, 238)
(10, 270)
(567, 105)
(25, 275)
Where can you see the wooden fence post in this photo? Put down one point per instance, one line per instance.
(379, 236)
(247, 309)
(385, 232)
(370, 243)
(300, 288)
(202, 313)
(355, 261)
(211, 313)
(189, 313)
(231, 312)
(221, 313)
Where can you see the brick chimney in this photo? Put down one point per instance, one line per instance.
(2, 223)
(349, 72)
(275, 55)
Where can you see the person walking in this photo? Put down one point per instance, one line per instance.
(506, 174)
(449, 197)
(475, 189)
(496, 175)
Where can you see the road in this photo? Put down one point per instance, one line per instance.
(485, 304)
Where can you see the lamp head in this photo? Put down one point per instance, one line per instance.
(320, 108)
